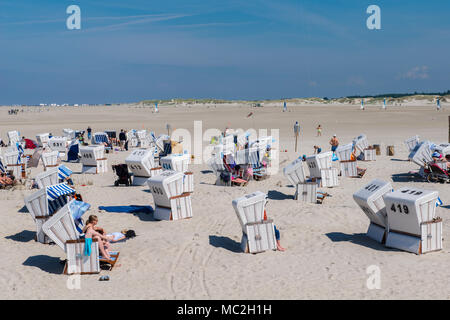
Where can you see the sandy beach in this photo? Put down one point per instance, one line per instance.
(327, 251)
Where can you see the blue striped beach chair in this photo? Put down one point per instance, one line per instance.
(46, 202)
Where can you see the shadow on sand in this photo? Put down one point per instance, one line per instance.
(45, 263)
(407, 177)
(359, 239)
(225, 243)
(23, 236)
(277, 195)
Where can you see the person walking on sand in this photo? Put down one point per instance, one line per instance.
(122, 139)
(89, 131)
(334, 142)
(319, 131)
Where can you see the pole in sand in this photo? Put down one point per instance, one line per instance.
(296, 132)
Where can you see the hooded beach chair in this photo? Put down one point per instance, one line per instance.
(412, 142)
(421, 154)
(143, 139)
(216, 164)
(14, 164)
(101, 138)
(362, 145)
(348, 166)
(305, 189)
(413, 224)
(93, 159)
(258, 235)
(171, 202)
(14, 137)
(69, 134)
(62, 230)
(47, 178)
(42, 139)
(370, 200)
(50, 159)
(44, 203)
(141, 163)
(180, 163)
(321, 167)
(58, 144)
(132, 139)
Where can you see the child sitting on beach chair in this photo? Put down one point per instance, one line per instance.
(93, 232)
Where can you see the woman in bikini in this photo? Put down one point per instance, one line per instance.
(96, 233)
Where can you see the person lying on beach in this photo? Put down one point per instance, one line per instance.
(5, 180)
(120, 236)
(93, 232)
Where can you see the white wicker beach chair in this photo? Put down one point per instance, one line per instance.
(412, 221)
(171, 202)
(258, 235)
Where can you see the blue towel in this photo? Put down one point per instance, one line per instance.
(127, 209)
(87, 246)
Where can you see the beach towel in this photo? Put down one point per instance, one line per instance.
(87, 246)
(127, 209)
(78, 209)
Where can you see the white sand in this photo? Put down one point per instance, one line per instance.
(327, 251)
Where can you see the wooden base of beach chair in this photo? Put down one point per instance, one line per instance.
(329, 178)
(349, 169)
(259, 237)
(429, 240)
(188, 182)
(77, 262)
(377, 233)
(181, 208)
(239, 182)
(370, 155)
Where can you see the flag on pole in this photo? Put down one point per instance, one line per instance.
(284, 107)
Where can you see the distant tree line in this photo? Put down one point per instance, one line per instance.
(401, 95)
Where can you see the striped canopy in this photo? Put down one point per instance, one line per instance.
(100, 137)
(64, 172)
(2, 168)
(58, 190)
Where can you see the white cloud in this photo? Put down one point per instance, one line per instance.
(417, 73)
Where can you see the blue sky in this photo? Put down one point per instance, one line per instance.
(134, 50)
